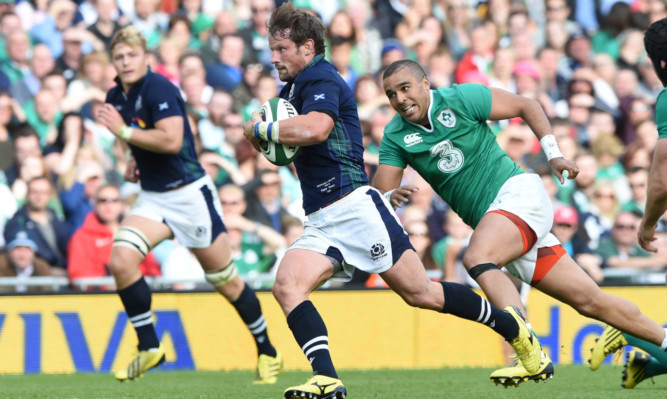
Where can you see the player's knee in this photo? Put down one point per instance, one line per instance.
(282, 291)
(418, 299)
(472, 258)
(135, 245)
(481, 268)
(222, 276)
(132, 238)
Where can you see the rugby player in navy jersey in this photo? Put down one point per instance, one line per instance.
(177, 199)
(350, 225)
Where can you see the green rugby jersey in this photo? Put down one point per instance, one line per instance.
(459, 156)
(661, 114)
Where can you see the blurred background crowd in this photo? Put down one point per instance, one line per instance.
(62, 194)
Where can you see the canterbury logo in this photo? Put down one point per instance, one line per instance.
(412, 139)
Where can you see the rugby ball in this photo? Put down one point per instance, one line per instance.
(274, 110)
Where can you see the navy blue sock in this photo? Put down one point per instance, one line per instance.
(463, 302)
(248, 307)
(311, 335)
(137, 302)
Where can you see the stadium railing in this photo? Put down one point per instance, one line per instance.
(157, 283)
(629, 276)
(612, 277)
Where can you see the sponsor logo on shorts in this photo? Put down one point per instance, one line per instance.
(377, 252)
(200, 231)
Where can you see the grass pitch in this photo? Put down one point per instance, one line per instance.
(570, 382)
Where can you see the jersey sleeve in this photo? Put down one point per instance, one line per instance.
(661, 115)
(476, 100)
(163, 101)
(391, 154)
(321, 94)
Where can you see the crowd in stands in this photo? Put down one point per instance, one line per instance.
(62, 192)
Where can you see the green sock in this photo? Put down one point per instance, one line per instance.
(655, 367)
(658, 364)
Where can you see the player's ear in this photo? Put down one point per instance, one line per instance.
(426, 83)
(309, 46)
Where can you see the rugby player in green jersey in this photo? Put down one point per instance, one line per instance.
(443, 134)
(639, 365)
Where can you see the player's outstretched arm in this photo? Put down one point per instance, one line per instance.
(506, 105)
(388, 179)
(656, 197)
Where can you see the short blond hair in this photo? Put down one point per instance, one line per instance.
(128, 35)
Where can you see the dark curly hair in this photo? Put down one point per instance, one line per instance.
(297, 25)
(655, 43)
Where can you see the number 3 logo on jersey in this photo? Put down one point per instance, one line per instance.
(451, 158)
(447, 118)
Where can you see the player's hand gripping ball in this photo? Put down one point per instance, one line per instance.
(274, 110)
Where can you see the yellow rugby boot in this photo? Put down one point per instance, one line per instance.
(268, 368)
(516, 374)
(634, 370)
(318, 387)
(526, 345)
(142, 362)
(610, 341)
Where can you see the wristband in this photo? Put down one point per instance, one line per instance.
(125, 132)
(550, 147)
(267, 131)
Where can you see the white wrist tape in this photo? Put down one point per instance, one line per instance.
(550, 147)
(125, 132)
(267, 131)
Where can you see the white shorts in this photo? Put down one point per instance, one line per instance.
(524, 196)
(361, 230)
(192, 212)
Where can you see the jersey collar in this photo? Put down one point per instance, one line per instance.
(314, 61)
(430, 120)
(139, 83)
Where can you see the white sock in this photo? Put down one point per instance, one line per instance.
(664, 342)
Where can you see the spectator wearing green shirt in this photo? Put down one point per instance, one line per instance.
(16, 65)
(621, 249)
(9, 22)
(253, 244)
(638, 182)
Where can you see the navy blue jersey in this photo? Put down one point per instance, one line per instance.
(149, 100)
(334, 167)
